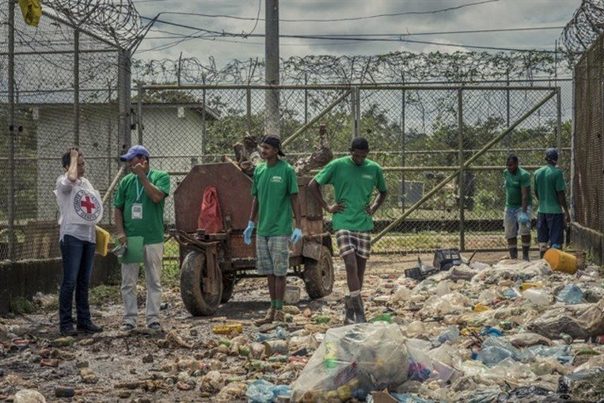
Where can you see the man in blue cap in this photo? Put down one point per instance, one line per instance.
(549, 189)
(139, 211)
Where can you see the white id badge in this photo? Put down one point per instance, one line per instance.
(137, 211)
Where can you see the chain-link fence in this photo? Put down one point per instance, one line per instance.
(413, 132)
(588, 149)
(64, 93)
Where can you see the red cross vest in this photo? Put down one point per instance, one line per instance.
(83, 205)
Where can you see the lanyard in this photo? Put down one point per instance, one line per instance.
(139, 192)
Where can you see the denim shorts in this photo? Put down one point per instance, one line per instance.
(511, 225)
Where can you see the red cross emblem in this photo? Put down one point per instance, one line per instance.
(87, 204)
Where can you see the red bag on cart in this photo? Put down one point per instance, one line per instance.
(210, 218)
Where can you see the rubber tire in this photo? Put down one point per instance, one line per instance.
(228, 286)
(191, 290)
(318, 275)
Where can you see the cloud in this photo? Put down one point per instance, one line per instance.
(499, 14)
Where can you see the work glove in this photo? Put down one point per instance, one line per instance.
(247, 232)
(523, 218)
(296, 235)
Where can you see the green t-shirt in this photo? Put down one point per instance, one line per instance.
(513, 187)
(151, 226)
(549, 180)
(353, 187)
(272, 188)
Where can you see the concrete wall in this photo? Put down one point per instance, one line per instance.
(26, 278)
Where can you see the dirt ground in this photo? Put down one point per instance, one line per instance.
(178, 363)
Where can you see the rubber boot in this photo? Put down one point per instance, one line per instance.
(359, 310)
(525, 253)
(513, 252)
(348, 311)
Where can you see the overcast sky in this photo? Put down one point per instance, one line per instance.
(161, 41)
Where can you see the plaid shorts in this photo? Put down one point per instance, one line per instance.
(354, 242)
(272, 255)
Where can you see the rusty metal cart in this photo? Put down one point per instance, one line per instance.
(211, 264)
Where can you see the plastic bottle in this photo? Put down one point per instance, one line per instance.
(450, 334)
(330, 357)
(383, 317)
(321, 319)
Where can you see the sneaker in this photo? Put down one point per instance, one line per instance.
(127, 327)
(269, 318)
(68, 331)
(154, 326)
(279, 316)
(90, 328)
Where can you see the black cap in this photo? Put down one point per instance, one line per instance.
(359, 143)
(273, 141)
(551, 154)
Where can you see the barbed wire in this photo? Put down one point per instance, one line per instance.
(116, 20)
(583, 29)
(396, 67)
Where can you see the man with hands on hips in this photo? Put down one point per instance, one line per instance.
(275, 191)
(139, 211)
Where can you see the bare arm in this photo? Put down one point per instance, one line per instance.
(118, 217)
(562, 200)
(254, 211)
(72, 171)
(151, 190)
(296, 209)
(315, 190)
(377, 203)
(525, 196)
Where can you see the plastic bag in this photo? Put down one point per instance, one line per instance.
(352, 361)
(578, 321)
(561, 353)
(570, 294)
(210, 218)
(537, 296)
(261, 391)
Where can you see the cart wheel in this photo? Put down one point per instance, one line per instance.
(228, 285)
(318, 275)
(199, 300)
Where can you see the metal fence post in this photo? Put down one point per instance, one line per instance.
(462, 238)
(305, 98)
(11, 131)
(203, 119)
(76, 87)
(123, 95)
(248, 109)
(139, 111)
(356, 111)
(559, 120)
(403, 111)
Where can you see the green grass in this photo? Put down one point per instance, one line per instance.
(21, 306)
(105, 294)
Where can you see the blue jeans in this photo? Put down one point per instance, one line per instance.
(78, 257)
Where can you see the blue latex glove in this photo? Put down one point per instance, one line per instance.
(296, 235)
(247, 233)
(523, 218)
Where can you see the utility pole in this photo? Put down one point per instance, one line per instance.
(271, 58)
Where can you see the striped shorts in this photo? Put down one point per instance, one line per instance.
(272, 255)
(354, 242)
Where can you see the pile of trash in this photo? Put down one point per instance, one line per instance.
(513, 331)
(475, 333)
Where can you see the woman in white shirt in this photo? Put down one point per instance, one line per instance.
(81, 208)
